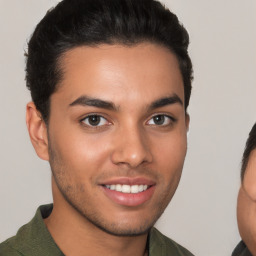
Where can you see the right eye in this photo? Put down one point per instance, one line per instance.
(95, 121)
(161, 120)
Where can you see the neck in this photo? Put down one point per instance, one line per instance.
(75, 235)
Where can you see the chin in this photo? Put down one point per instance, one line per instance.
(129, 225)
(125, 232)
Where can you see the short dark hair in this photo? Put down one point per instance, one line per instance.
(74, 23)
(249, 147)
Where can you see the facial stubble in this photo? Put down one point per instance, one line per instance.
(71, 194)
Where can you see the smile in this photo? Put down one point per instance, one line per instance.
(134, 189)
(128, 191)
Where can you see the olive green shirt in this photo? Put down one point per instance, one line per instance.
(241, 250)
(33, 239)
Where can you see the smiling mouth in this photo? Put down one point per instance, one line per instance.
(132, 189)
(129, 192)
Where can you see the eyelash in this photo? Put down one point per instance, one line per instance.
(83, 121)
(172, 120)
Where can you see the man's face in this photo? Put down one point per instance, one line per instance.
(246, 206)
(117, 134)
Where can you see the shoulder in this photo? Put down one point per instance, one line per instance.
(241, 250)
(13, 246)
(6, 248)
(31, 239)
(160, 242)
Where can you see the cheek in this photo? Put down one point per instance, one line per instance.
(169, 160)
(80, 151)
(171, 151)
(246, 215)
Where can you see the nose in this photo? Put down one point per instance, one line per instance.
(131, 147)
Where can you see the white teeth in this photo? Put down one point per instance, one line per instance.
(118, 188)
(135, 189)
(141, 188)
(127, 188)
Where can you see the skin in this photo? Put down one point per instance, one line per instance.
(246, 205)
(129, 142)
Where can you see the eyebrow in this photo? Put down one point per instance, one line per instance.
(88, 101)
(94, 102)
(166, 101)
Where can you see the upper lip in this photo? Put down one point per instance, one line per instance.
(128, 181)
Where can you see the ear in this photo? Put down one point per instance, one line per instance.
(187, 120)
(249, 180)
(37, 131)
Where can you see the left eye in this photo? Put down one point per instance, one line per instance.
(95, 120)
(160, 120)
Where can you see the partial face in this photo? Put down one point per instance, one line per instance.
(246, 207)
(117, 134)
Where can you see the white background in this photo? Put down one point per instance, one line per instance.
(202, 215)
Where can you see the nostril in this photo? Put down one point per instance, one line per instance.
(131, 147)
(131, 157)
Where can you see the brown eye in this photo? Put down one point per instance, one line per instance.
(161, 120)
(95, 120)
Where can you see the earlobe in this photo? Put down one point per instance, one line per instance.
(37, 131)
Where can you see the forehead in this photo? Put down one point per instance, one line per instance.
(115, 70)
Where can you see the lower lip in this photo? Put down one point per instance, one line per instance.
(129, 199)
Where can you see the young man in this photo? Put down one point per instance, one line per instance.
(246, 204)
(110, 82)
